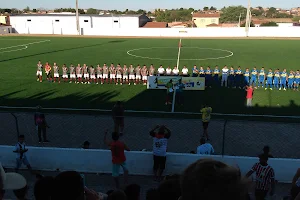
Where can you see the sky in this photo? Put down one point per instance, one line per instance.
(145, 5)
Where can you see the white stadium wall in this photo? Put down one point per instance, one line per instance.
(139, 163)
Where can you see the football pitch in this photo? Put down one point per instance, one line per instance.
(19, 56)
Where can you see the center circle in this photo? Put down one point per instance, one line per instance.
(207, 52)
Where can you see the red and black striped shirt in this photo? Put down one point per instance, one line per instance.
(264, 176)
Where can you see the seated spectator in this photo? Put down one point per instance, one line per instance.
(133, 192)
(21, 193)
(266, 151)
(185, 71)
(213, 180)
(161, 71)
(205, 148)
(169, 71)
(43, 188)
(86, 145)
(11, 181)
(117, 195)
(170, 189)
(152, 194)
(175, 71)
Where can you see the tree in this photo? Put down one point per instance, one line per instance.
(34, 10)
(251, 24)
(213, 8)
(296, 19)
(91, 11)
(282, 15)
(140, 11)
(27, 9)
(271, 12)
(257, 12)
(205, 8)
(231, 14)
(269, 24)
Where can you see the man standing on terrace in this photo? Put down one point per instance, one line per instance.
(206, 112)
(118, 117)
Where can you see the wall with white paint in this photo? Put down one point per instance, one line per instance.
(139, 163)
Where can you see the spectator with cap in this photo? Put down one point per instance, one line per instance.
(213, 180)
(205, 148)
(118, 117)
(10, 181)
(41, 124)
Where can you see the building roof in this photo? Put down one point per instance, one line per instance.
(73, 14)
(206, 15)
(213, 25)
(156, 25)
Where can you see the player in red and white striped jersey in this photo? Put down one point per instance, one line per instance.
(265, 178)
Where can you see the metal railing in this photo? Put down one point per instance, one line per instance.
(229, 136)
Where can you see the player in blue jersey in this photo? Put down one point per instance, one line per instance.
(283, 80)
(208, 77)
(269, 82)
(254, 73)
(291, 80)
(276, 79)
(201, 72)
(231, 77)
(225, 72)
(262, 78)
(238, 78)
(216, 75)
(246, 78)
(297, 80)
(195, 71)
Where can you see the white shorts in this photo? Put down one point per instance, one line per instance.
(112, 76)
(93, 77)
(145, 78)
(105, 76)
(131, 77)
(56, 75)
(86, 75)
(138, 77)
(72, 76)
(125, 77)
(119, 76)
(79, 75)
(65, 76)
(39, 73)
(99, 75)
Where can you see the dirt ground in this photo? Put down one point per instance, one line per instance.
(155, 37)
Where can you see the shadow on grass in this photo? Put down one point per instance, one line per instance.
(62, 50)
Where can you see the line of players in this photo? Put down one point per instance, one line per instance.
(118, 75)
(258, 78)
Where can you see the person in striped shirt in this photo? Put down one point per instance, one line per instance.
(276, 79)
(231, 77)
(216, 76)
(246, 78)
(269, 80)
(297, 80)
(161, 135)
(265, 178)
(254, 73)
(291, 79)
(261, 78)
(283, 79)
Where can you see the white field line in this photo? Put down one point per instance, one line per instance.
(24, 46)
(179, 51)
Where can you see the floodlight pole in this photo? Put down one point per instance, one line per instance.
(248, 18)
(77, 18)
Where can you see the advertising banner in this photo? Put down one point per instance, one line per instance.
(191, 83)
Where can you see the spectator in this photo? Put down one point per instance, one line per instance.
(295, 185)
(206, 112)
(152, 194)
(265, 178)
(21, 193)
(249, 95)
(118, 117)
(118, 157)
(86, 145)
(20, 150)
(43, 188)
(109, 192)
(266, 151)
(170, 91)
(213, 180)
(160, 135)
(117, 195)
(179, 92)
(169, 189)
(205, 148)
(41, 124)
(10, 181)
(133, 192)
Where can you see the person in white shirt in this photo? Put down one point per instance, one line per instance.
(185, 71)
(20, 150)
(175, 71)
(161, 71)
(205, 148)
(169, 71)
(225, 72)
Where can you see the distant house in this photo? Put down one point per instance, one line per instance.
(201, 20)
(156, 25)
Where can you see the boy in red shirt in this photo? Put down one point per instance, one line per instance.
(118, 157)
(249, 95)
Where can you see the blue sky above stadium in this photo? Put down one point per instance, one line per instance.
(146, 5)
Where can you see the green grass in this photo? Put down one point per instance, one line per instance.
(19, 87)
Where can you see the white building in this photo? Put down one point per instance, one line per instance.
(66, 24)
